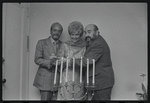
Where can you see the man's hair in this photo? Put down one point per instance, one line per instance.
(95, 27)
(56, 23)
(76, 27)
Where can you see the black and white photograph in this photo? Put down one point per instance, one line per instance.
(72, 51)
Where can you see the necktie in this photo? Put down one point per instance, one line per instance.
(87, 47)
(55, 47)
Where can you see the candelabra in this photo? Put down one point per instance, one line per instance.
(66, 84)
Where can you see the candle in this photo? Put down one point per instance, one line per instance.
(73, 69)
(93, 72)
(87, 71)
(67, 70)
(81, 71)
(55, 71)
(61, 70)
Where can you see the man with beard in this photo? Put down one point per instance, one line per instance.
(45, 56)
(98, 49)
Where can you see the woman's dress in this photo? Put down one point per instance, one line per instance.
(66, 92)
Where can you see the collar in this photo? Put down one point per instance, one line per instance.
(53, 41)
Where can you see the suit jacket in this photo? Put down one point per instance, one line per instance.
(44, 78)
(104, 75)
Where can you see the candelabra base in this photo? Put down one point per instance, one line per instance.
(88, 89)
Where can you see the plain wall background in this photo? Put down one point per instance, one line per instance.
(123, 26)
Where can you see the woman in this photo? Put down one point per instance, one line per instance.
(74, 48)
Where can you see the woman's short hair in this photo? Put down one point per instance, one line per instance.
(76, 27)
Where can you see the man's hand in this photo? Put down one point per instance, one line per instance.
(59, 62)
(52, 56)
(53, 61)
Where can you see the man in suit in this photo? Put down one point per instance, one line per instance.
(45, 56)
(98, 49)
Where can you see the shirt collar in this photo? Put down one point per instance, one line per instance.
(53, 41)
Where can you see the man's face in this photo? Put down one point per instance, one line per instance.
(56, 32)
(89, 34)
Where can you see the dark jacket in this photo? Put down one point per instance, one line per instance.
(104, 75)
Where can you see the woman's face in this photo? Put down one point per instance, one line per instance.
(75, 37)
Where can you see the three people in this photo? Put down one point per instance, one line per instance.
(93, 47)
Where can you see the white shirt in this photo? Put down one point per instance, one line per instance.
(54, 44)
(53, 41)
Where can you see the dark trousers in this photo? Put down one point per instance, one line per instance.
(48, 95)
(103, 94)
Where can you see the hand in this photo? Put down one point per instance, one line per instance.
(52, 56)
(53, 61)
(59, 62)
